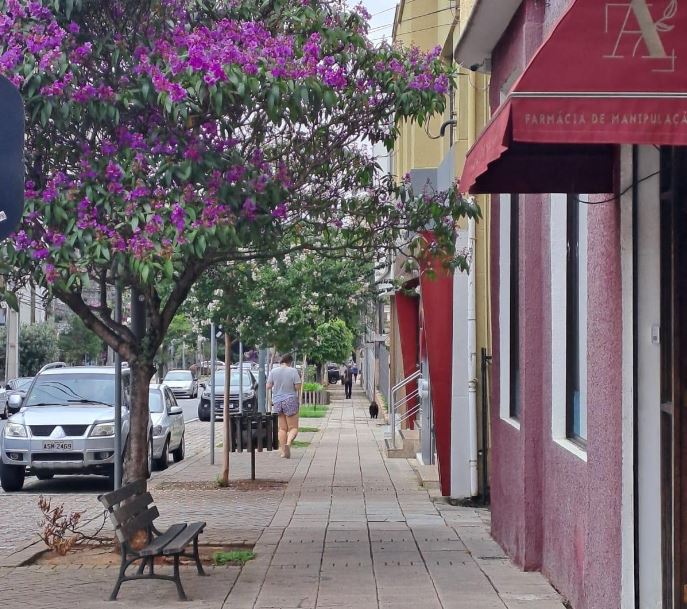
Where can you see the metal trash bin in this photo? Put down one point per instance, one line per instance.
(253, 431)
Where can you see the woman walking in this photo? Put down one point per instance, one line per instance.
(285, 383)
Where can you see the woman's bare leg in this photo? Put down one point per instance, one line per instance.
(283, 432)
(292, 424)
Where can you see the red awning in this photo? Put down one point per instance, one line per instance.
(609, 74)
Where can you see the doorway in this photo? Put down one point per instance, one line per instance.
(673, 376)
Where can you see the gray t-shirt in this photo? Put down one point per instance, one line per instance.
(284, 380)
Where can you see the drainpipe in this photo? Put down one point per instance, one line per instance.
(472, 366)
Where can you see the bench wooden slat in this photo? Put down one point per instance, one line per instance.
(127, 511)
(154, 548)
(184, 538)
(142, 521)
(115, 497)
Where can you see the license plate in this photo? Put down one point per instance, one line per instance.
(57, 445)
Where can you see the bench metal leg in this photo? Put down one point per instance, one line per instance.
(120, 578)
(142, 566)
(177, 579)
(196, 556)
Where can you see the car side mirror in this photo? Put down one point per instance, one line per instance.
(174, 410)
(15, 400)
(203, 385)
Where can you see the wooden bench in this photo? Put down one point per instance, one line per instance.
(131, 511)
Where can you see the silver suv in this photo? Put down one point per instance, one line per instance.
(65, 426)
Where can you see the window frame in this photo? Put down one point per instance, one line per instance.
(505, 278)
(569, 327)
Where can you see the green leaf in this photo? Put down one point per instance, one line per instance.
(11, 299)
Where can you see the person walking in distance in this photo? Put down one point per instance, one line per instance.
(285, 383)
(354, 371)
(348, 382)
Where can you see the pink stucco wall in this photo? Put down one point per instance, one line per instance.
(551, 510)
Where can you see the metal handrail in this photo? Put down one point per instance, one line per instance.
(409, 397)
(394, 405)
(409, 379)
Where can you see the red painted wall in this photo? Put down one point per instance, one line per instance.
(437, 315)
(551, 510)
(408, 314)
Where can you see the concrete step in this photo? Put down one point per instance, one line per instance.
(405, 448)
(427, 475)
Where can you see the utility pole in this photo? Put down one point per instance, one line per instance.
(12, 346)
(118, 398)
(213, 366)
(262, 380)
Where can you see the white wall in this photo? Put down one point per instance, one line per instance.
(460, 420)
(649, 389)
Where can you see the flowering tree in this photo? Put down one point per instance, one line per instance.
(166, 136)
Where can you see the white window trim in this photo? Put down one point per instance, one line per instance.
(559, 244)
(504, 310)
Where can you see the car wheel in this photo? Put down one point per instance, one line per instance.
(12, 477)
(163, 461)
(179, 453)
(45, 475)
(5, 412)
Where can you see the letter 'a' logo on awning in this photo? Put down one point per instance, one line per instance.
(635, 32)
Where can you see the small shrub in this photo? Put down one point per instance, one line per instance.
(235, 556)
(312, 387)
(220, 482)
(61, 531)
(313, 412)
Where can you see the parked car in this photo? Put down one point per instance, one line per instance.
(333, 375)
(167, 419)
(182, 383)
(65, 426)
(250, 397)
(16, 386)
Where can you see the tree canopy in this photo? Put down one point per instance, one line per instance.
(167, 136)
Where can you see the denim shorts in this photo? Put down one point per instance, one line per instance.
(287, 406)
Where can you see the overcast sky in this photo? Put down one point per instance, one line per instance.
(382, 16)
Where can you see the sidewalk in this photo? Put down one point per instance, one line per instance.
(352, 529)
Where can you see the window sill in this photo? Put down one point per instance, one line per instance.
(512, 422)
(572, 447)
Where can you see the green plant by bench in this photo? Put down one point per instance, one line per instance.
(234, 556)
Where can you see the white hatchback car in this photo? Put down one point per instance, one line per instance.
(167, 419)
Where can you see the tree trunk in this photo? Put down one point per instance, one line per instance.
(226, 446)
(138, 442)
(320, 376)
(305, 365)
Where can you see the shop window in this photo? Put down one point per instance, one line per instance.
(569, 322)
(515, 401)
(509, 310)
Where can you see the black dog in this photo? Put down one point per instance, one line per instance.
(374, 410)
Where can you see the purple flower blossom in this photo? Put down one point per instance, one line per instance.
(250, 209)
(178, 218)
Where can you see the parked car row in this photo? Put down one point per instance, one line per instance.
(65, 425)
(15, 387)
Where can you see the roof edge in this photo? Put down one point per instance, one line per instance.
(483, 29)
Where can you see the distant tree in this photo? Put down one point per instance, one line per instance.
(78, 344)
(333, 343)
(38, 345)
